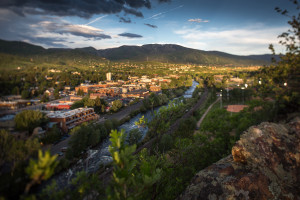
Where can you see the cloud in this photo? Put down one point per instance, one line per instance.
(198, 20)
(122, 19)
(150, 25)
(133, 12)
(130, 35)
(66, 28)
(242, 41)
(97, 19)
(159, 15)
(80, 8)
(164, 1)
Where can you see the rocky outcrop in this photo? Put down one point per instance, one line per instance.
(265, 164)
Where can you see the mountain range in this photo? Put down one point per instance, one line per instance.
(170, 53)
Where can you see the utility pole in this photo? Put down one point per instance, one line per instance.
(221, 99)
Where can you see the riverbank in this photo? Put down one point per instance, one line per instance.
(99, 156)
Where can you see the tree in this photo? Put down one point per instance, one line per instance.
(45, 98)
(51, 136)
(27, 120)
(89, 102)
(83, 186)
(116, 105)
(13, 151)
(80, 92)
(41, 169)
(134, 136)
(25, 94)
(77, 104)
(282, 79)
(133, 176)
(16, 90)
(56, 93)
(6, 143)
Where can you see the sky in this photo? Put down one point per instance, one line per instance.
(241, 27)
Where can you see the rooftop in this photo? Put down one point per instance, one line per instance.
(62, 114)
(235, 108)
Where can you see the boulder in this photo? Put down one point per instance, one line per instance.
(265, 164)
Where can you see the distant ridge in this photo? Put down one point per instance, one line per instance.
(170, 53)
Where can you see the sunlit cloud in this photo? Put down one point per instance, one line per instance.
(73, 29)
(242, 41)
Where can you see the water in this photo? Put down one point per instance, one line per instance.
(100, 156)
(189, 93)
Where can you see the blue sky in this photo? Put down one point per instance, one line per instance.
(239, 27)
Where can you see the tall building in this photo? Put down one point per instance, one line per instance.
(108, 76)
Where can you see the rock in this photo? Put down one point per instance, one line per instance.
(265, 164)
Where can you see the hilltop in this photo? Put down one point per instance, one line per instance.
(170, 53)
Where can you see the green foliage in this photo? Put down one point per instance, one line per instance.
(166, 143)
(16, 91)
(134, 136)
(51, 136)
(56, 93)
(27, 120)
(286, 70)
(98, 104)
(84, 136)
(25, 94)
(41, 169)
(142, 122)
(14, 151)
(187, 127)
(123, 162)
(45, 98)
(77, 104)
(133, 177)
(116, 105)
(81, 187)
(80, 92)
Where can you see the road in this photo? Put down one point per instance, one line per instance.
(204, 115)
(122, 113)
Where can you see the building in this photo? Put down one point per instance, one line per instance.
(136, 94)
(97, 95)
(13, 105)
(108, 76)
(154, 88)
(59, 106)
(70, 119)
(235, 108)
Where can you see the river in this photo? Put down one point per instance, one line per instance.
(100, 156)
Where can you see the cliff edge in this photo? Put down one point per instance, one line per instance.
(265, 164)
